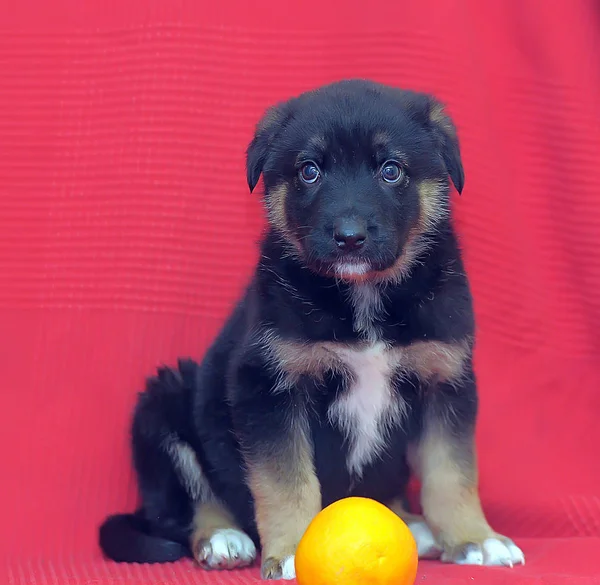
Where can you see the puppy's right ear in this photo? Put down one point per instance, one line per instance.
(258, 149)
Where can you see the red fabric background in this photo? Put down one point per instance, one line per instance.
(126, 232)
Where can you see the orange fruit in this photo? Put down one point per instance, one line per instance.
(356, 541)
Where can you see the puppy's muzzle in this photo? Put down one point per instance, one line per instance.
(349, 234)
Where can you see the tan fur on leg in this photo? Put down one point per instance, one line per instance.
(287, 497)
(449, 493)
(451, 505)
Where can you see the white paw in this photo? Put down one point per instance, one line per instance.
(497, 551)
(288, 568)
(227, 548)
(427, 547)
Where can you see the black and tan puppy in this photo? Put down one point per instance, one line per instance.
(345, 367)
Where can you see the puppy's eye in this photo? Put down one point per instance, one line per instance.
(309, 173)
(391, 172)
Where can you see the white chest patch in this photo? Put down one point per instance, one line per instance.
(370, 407)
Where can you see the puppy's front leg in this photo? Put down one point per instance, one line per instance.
(287, 497)
(445, 459)
(275, 437)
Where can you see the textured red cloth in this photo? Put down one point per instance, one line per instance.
(126, 232)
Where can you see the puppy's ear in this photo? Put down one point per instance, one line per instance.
(258, 149)
(445, 133)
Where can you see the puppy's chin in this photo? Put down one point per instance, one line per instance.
(353, 271)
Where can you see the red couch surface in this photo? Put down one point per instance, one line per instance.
(127, 232)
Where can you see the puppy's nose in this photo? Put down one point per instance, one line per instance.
(349, 234)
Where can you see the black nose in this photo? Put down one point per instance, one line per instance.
(349, 234)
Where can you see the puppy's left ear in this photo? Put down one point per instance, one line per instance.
(258, 150)
(445, 133)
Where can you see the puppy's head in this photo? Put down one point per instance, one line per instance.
(356, 176)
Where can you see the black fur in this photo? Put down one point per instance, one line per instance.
(226, 405)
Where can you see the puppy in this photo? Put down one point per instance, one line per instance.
(345, 367)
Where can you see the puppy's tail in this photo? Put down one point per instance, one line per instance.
(130, 538)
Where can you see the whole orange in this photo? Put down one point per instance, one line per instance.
(356, 541)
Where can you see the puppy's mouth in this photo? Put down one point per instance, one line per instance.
(351, 266)
(356, 269)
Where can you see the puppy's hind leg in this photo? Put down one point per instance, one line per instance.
(178, 500)
(217, 542)
(169, 476)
